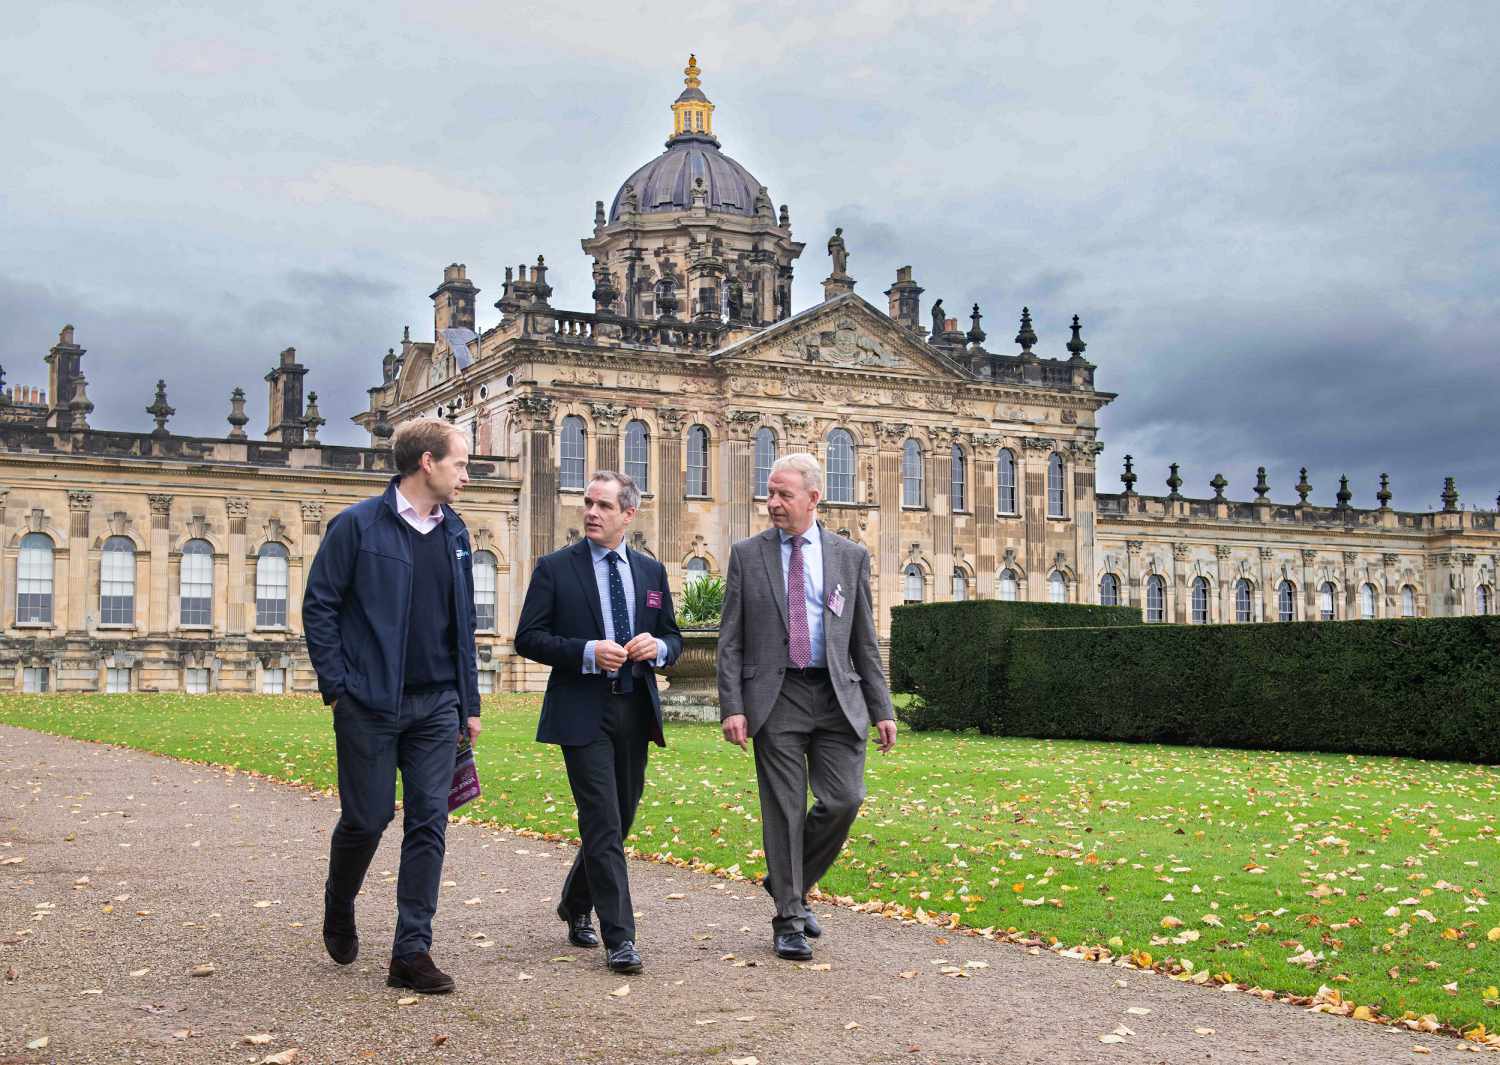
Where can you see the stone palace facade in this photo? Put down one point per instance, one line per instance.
(154, 561)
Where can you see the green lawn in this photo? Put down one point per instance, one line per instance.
(1375, 871)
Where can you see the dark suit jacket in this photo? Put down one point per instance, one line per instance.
(753, 634)
(561, 614)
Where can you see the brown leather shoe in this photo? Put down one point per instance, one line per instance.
(416, 971)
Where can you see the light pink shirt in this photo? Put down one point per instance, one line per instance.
(423, 523)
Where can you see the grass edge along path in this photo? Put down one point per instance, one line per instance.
(1046, 817)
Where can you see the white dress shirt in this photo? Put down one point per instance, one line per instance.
(812, 580)
(601, 581)
(423, 523)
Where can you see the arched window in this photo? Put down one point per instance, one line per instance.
(1286, 602)
(1408, 601)
(1367, 601)
(697, 461)
(1156, 598)
(1057, 588)
(912, 583)
(270, 587)
(912, 494)
(485, 571)
(117, 582)
(1009, 586)
(960, 585)
(1483, 600)
(195, 584)
(1327, 608)
(1055, 507)
(697, 569)
(1200, 600)
(1244, 609)
(1005, 482)
(959, 489)
(638, 454)
(765, 458)
(573, 452)
(34, 581)
(840, 467)
(1109, 590)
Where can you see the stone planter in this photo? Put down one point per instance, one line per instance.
(692, 692)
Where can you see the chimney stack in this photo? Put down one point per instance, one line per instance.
(62, 376)
(906, 300)
(453, 302)
(286, 423)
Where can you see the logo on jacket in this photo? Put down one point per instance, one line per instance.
(461, 553)
(653, 600)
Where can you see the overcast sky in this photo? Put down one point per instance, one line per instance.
(1280, 222)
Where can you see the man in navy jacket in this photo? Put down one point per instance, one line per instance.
(601, 616)
(389, 617)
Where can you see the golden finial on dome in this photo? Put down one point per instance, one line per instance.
(691, 71)
(692, 114)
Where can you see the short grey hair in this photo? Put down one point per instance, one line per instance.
(630, 492)
(806, 465)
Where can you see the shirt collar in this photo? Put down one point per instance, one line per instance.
(598, 552)
(814, 533)
(404, 506)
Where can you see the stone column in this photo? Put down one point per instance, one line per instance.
(1085, 454)
(1351, 600)
(1222, 554)
(8, 564)
(1032, 481)
(80, 504)
(1181, 553)
(982, 481)
(1389, 592)
(238, 508)
(1267, 593)
(1466, 584)
(607, 418)
(890, 436)
(737, 478)
(539, 505)
(1133, 574)
(312, 537)
(1309, 593)
(670, 505)
(940, 499)
(161, 525)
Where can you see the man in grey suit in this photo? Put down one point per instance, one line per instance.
(799, 672)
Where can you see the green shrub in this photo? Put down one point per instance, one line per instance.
(1425, 688)
(952, 656)
(702, 601)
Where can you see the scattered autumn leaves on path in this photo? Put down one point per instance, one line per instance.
(1357, 885)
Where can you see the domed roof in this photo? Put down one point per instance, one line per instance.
(666, 183)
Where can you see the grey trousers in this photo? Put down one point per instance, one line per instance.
(806, 740)
(421, 740)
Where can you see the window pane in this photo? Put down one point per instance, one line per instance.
(697, 461)
(1286, 601)
(196, 583)
(571, 453)
(1242, 605)
(913, 584)
(34, 680)
(911, 474)
(1200, 601)
(34, 580)
(270, 586)
(1055, 507)
(1367, 601)
(1057, 588)
(117, 582)
(1326, 609)
(273, 682)
(697, 569)
(116, 680)
(959, 488)
(1005, 492)
(1408, 602)
(1008, 585)
(638, 455)
(1156, 599)
(960, 585)
(840, 467)
(486, 682)
(1109, 590)
(484, 589)
(765, 458)
(195, 681)
(1482, 599)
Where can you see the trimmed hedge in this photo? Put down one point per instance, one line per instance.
(1426, 688)
(953, 656)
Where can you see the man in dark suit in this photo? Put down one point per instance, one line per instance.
(799, 671)
(601, 616)
(389, 616)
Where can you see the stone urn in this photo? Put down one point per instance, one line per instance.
(692, 689)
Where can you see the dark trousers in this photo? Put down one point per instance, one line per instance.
(607, 777)
(421, 740)
(807, 739)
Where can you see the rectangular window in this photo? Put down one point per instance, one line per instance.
(195, 681)
(34, 680)
(273, 682)
(486, 682)
(116, 680)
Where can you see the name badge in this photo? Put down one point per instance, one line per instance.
(836, 602)
(653, 600)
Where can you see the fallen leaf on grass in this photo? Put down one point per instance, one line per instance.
(620, 992)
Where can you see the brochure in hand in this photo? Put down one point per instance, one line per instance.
(465, 787)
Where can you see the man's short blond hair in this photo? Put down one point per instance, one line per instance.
(805, 464)
(415, 438)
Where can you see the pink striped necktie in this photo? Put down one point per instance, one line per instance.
(799, 643)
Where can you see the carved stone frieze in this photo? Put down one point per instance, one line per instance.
(312, 511)
(80, 501)
(1267, 553)
(1039, 443)
(1223, 551)
(535, 409)
(1182, 552)
(893, 434)
(672, 418)
(1350, 557)
(607, 416)
(1389, 559)
(741, 424)
(1309, 556)
(1135, 547)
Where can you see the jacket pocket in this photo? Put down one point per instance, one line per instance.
(748, 671)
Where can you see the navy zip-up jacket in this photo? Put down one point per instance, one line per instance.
(357, 605)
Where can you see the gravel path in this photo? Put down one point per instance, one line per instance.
(135, 869)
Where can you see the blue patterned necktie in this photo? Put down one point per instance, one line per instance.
(620, 617)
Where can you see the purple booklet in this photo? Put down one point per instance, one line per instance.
(465, 787)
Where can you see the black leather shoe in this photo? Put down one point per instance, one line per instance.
(339, 936)
(416, 971)
(810, 926)
(580, 929)
(793, 947)
(624, 958)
